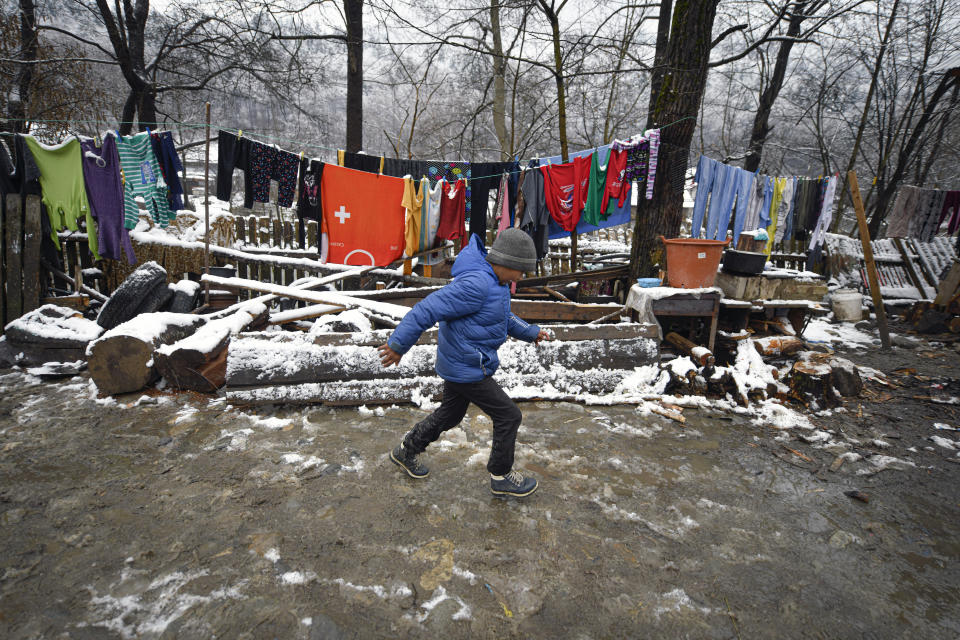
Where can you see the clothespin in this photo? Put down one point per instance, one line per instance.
(117, 131)
(240, 133)
(301, 155)
(148, 130)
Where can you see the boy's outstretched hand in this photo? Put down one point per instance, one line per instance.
(388, 356)
(543, 335)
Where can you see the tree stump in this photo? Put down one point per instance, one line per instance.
(122, 360)
(810, 380)
(199, 362)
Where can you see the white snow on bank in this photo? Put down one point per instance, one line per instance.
(844, 333)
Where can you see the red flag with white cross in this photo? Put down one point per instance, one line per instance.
(363, 217)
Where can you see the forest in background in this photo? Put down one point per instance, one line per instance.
(802, 87)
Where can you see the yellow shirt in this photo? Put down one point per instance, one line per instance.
(413, 202)
(778, 185)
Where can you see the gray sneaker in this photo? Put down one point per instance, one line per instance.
(408, 462)
(513, 484)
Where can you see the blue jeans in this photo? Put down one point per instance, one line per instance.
(706, 172)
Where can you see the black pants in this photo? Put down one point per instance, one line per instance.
(457, 396)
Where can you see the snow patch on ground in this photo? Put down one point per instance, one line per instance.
(149, 612)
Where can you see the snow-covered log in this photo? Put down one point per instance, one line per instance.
(257, 362)
(199, 362)
(121, 360)
(553, 385)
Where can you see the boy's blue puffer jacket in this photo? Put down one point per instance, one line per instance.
(474, 316)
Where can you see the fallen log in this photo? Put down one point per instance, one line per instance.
(698, 354)
(259, 362)
(560, 386)
(121, 360)
(199, 362)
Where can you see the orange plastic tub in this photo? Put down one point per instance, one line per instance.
(692, 263)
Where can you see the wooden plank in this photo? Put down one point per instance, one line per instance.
(304, 313)
(689, 307)
(313, 235)
(253, 237)
(277, 233)
(868, 258)
(607, 273)
(326, 297)
(32, 231)
(241, 226)
(288, 233)
(13, 248)
(948, 286)
(3, 271)
(540, 311)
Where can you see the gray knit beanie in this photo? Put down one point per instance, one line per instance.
(513, 249)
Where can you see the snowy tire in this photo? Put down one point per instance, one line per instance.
(123, 304)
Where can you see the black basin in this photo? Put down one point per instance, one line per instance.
(746, 263)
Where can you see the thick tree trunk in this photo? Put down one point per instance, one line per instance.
(353, 12)
(761, 121)
(499, 84)
(674, 105)
(29, 49)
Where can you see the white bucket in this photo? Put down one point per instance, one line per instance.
(847, 305)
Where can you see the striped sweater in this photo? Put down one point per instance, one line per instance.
(142, 177)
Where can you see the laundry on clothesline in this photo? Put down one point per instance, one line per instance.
(920, 213)
(731, 200)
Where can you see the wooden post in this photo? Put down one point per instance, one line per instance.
(32, 230)
(3, 271)
(573, 250)
(13, 247)
(868, 259)
(206, 208)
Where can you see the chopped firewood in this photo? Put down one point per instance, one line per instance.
(700, 355)
(669, 414)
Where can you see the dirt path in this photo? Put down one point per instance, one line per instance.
(176, 516)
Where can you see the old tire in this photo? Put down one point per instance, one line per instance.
(123, 304)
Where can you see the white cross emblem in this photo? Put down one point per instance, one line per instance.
(343, 214)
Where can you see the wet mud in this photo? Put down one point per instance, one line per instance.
(177, 516)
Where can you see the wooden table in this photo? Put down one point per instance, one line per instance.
(672, 302)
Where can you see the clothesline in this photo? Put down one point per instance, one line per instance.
(255, 134)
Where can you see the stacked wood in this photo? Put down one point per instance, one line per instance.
(199, 362)
(122, 359)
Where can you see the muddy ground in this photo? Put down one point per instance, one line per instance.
(161, 516)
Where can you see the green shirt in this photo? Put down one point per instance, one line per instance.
(64, 194)
(598, 182)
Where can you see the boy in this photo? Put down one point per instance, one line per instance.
(475, 319)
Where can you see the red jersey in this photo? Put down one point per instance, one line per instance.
(565, 190)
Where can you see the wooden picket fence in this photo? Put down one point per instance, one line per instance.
(20, 229)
